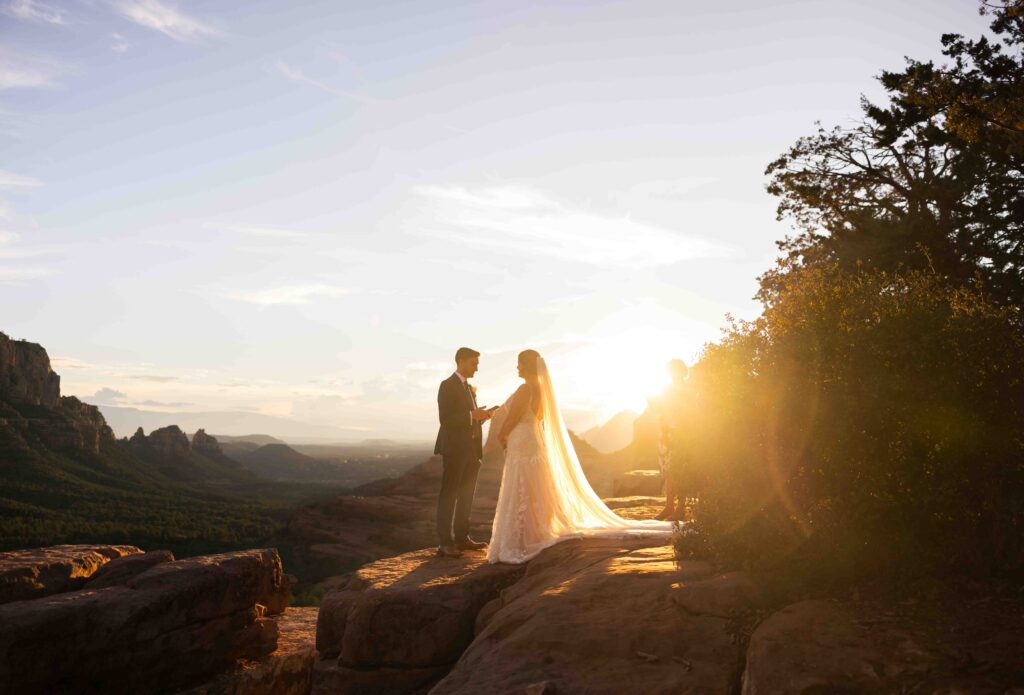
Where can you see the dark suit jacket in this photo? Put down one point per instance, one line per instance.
(458, 436)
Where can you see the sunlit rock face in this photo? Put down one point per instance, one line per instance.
(597, 616)
(38, 572)
(399, 624)
(25, 374)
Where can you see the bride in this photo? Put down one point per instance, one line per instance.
(544, 496)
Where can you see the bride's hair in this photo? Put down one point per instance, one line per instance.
(528, 358)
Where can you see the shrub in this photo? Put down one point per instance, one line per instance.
(865, 421)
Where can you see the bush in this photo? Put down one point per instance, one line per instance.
(865, 422)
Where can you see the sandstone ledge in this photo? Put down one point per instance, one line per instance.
(39, 572)
(175, 623)
(403, 621)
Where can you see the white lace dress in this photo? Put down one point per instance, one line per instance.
(527, 518)
(545, 496)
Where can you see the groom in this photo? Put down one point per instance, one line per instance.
(460, 443)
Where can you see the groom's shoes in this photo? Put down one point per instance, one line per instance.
(470, 544)
(448, 551)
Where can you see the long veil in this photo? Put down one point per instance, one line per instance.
(585, 513)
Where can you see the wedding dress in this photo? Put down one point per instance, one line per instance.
(544, 496)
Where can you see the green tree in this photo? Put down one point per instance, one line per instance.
(932, 178)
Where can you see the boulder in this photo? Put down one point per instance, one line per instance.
(405, 618)
(641, 483)
(174, 624)
(820, 646)
(596, 616)
(38, 572)
(287, 670)
(119, 571)
(722, 595)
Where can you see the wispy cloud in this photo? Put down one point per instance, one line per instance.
(154, 377)
(18, 276)
(525, 221)
(20, 70)
(62, 362)
(268, 232)
(9, 179)
(162, 404)
(296, 75)
(118, 44)
(32, 11)
(290, 294)
(166, 19)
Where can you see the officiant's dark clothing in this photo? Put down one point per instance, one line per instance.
(460, 444)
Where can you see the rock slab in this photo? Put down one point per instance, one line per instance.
(39, 572)
(175, 624)
(596, 616)
(403, 621)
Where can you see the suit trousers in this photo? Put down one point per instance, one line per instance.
(458, 485)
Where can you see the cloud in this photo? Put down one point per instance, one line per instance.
(70, 363)
(161, 404)
(119, 45)
(153, 377)
(270, 232)
(290, 294)
(17, 276)
(299, 77)
(19, 70)
(11, 180)
(525, 221)
(108, 395)
(166, 19)
(33, 11)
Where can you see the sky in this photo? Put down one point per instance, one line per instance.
(301, 209)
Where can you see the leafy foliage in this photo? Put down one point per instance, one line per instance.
(933, 178)
(865, 420)
(872, 418)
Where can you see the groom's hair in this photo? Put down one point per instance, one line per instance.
(465, 353)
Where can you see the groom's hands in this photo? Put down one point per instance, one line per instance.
(481, 414)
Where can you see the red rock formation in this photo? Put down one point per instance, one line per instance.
(205, 444)
(166, 443)
(25, 374)
(596, 616)
(172, 626)
(399, 624)
(39, 572)
(120, 571)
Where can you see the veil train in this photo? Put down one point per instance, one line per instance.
(584, 513)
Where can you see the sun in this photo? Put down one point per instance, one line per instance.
(621, 372)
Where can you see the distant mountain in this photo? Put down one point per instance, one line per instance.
(257, 439)
(124, 421)
(359, 465)
(201, 460)
(614, 435)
